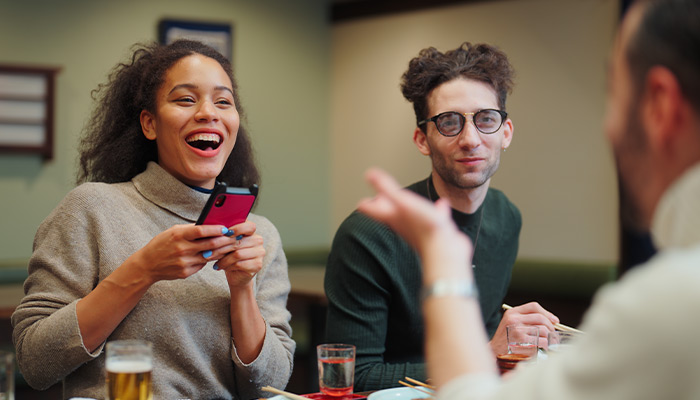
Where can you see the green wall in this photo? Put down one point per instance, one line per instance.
(281, 61)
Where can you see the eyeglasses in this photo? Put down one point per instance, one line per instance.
(451, 123)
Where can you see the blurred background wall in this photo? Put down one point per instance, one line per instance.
(323, 104)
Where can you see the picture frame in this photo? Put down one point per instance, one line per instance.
(27, 109)
(217, 35)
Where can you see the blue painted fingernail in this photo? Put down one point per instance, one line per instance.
(207, 254)
(239, 237)
(229, 232)
(224, 231)
(216, 267)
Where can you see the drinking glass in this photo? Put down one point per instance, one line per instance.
(508, 362)
(558, 341)
(336, 368)
(129, 365)
(7, 375)
(522, 346)
(523, 339)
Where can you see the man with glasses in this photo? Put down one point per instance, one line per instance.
(641, 331)
(373, 277)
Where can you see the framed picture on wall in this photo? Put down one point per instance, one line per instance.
(216, 35)
(27, 109)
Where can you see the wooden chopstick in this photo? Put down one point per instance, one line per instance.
(419, 383)
(560, 327)
(416, 388)
(283, 393)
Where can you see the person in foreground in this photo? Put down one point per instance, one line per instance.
(373, 277)
(640, 332)
(121, 258)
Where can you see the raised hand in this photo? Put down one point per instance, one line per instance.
(426, 226)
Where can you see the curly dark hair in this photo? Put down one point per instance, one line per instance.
(432, 68)
(113, 147)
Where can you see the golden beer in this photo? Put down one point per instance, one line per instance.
(129, 380)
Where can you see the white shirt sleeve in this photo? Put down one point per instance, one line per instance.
(639, 344)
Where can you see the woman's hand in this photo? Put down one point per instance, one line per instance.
(241, 261)
(181, 250)
(243, 257)
(175, 253)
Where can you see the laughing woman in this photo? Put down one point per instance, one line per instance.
(120, 257)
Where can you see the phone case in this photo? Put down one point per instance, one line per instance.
(228, 206)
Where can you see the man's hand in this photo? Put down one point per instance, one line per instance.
(526, 314)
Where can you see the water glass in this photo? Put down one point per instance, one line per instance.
(523, 339)
(336, 368)
(558, 341)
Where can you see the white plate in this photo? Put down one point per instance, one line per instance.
(402, 393)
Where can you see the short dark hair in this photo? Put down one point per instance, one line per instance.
(668, 35)
(431, 68)
(113, 147)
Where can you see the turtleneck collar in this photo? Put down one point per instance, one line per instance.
(166, 191)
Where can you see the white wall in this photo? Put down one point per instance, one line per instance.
(558, 169)
(281, 61)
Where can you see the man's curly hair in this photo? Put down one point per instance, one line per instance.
(481, 62)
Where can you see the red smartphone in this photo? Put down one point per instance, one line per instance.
(228, 206)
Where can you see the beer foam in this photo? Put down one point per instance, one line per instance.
(129, 366)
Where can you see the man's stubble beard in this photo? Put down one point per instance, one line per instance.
(458, 180)
(628, 156)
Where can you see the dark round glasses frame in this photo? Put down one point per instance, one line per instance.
(462, 117)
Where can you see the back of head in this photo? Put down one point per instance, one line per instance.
(431, 68)
(668, 35)
(113, 147)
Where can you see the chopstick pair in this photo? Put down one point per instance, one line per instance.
(419, 383)
(283, 393)
(560, 327)
(430, 389)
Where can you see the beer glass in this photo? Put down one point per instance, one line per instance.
(129, 365)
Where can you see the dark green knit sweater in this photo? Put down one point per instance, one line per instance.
(373, 279)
